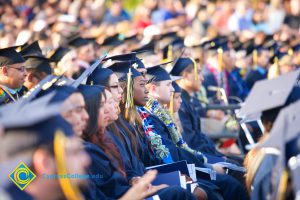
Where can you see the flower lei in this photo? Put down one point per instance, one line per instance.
(156, 143)
(166, 118)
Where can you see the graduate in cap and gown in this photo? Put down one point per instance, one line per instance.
(119, 131)
(106, 158)
(160, 92)
(38, 136)
(276, 94)
(261, 56)
(37, 65)
(12, 75)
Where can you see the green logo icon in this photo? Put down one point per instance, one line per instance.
(22, 176)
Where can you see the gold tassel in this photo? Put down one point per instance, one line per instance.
(171, 106)
(220, 59)
(170, 53)
(255, 58)
(282, 185)
(290, 52)
(129, 95)
(195, 68)
(276, 63)
(70, 191)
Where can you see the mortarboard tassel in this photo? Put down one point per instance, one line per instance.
(290, 52)
(195, 69)
(129, 95)
(171, 106)
(170, 53)
(283, 185)
(274, 69)
(220, 59)
(70, 191)
(255, 58)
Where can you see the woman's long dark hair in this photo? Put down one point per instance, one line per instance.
(119, 125)
(94, 135)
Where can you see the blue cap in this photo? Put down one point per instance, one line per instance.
(88, 72)
(32, 49)
(132, 57)
(75, 41)
(112, 41)
(59, 53)
(180, 65)
(9, 56)
(158, 73)
(61, 93)
(176, 87)
(122, 68)
(296, 48)
(99, 76)
(89, 91)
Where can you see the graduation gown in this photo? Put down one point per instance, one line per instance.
(7, 97)
(236, 86)
(262, 181)
(227, 185)
(14, 193)
(132, 165)
(190, 120)
(112, 185)
(255, 75)
(146, 155)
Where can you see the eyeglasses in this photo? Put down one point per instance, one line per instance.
(22, 69)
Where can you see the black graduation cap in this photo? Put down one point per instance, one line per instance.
(296, 48)
(167, 37)
(88, 72)
(26, 130)
(89, 91)
(112, 41)
(175, 45)
(122, 57)
(99, 76)
(9, 56)
(44, 84)
(32, 49)
(132, 57)
(180, 65)
(58, 54)
(158, 73)
(176, 87)
(277, 56)
(75, 41)
(41, 64)
(122, 68)
(61, 93)
(267, 95)
(149, 47)
(253, 47)
(284, 137)
(131, 39)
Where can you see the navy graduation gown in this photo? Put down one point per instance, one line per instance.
(111, 183)
(129, 169)
(14, 193)
(255, 75)
(190, 120)
(137, 164)
(236, 85)
(262, 182)
(146, 155)
(230, 188)
(177, 153)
